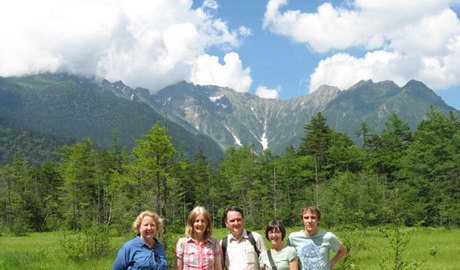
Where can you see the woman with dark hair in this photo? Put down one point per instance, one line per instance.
(143, 251)
(279, 256)
(198, 250)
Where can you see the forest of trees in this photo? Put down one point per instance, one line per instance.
(413, 176)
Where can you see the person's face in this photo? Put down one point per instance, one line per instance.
(235, 223)
(310, 222)
(147, 228)
(275, 236)
(199, 225)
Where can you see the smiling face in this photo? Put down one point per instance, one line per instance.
(310, 222)
(235, 223)
(199, 226)
(275, 236)
(147, 229)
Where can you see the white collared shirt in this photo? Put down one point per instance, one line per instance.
(240, 254)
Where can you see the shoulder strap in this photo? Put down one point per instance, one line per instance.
(253, 242)
(270, 258)
(224, 250)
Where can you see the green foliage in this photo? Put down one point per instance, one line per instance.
(152, 169)
(431, 171)
(397, 259)
(387, 150)
(354, 199)
(353, 239)
(34, 146)
(89, 244)
(415, 175)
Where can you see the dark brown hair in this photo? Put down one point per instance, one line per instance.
(275, 224)
(231, 208)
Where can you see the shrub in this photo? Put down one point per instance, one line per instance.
(92, 243)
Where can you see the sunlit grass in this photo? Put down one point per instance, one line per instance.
(43, 251)
(434, 248)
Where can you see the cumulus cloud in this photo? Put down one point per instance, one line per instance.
(208, 71)
(264, 92)
(403, 39)
(144, 43)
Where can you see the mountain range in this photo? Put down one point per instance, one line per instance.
(233, 118)
(199, 118)
(75, 108)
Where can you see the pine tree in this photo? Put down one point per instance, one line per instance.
(79, 174)
(152, 169)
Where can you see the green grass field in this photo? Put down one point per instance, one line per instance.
(433, 248)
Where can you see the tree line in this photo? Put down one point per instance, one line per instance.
(413, 176)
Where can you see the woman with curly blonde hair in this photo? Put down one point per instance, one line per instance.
(143, 251)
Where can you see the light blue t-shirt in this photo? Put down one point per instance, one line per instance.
(313, 251)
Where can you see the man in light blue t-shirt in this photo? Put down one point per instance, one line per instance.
(312, 245)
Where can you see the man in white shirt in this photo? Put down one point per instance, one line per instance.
(241, 248)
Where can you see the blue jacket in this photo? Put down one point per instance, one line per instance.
(135, 254)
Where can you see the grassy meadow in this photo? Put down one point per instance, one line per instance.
(372, 248)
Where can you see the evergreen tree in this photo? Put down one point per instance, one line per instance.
(18, 196)
(239, 183)
(343, 155)
(50, 184)
(364, 132)
(152, 169)
(386, 151)
(315, 144)
(79, 174)
(295, 182)
(431, 172)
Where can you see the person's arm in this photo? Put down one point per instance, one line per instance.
(120, 262)
(339, 255)
(162, 263)
(293, 264)
(218, 255)
(179, 255)
(179, 263)
(218, 262)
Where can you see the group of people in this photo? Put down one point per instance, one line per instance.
(239, 250)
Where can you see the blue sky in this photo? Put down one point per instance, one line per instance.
(274, 49)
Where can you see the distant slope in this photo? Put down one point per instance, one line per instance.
(37, 148)
(74, 107)
(232, 118)
(373, 103)
(207, 118)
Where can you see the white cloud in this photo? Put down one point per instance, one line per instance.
(144, 43)
(245, 31)
(212, 4)
(404, 40)
(208, 71)
(344, 70)
(264, 92)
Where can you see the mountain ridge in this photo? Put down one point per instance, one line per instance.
(75, 107)
(216, 117)
(276, 124)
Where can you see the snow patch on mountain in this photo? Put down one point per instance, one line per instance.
(216, 98)
(264, 141)
(237, 141)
